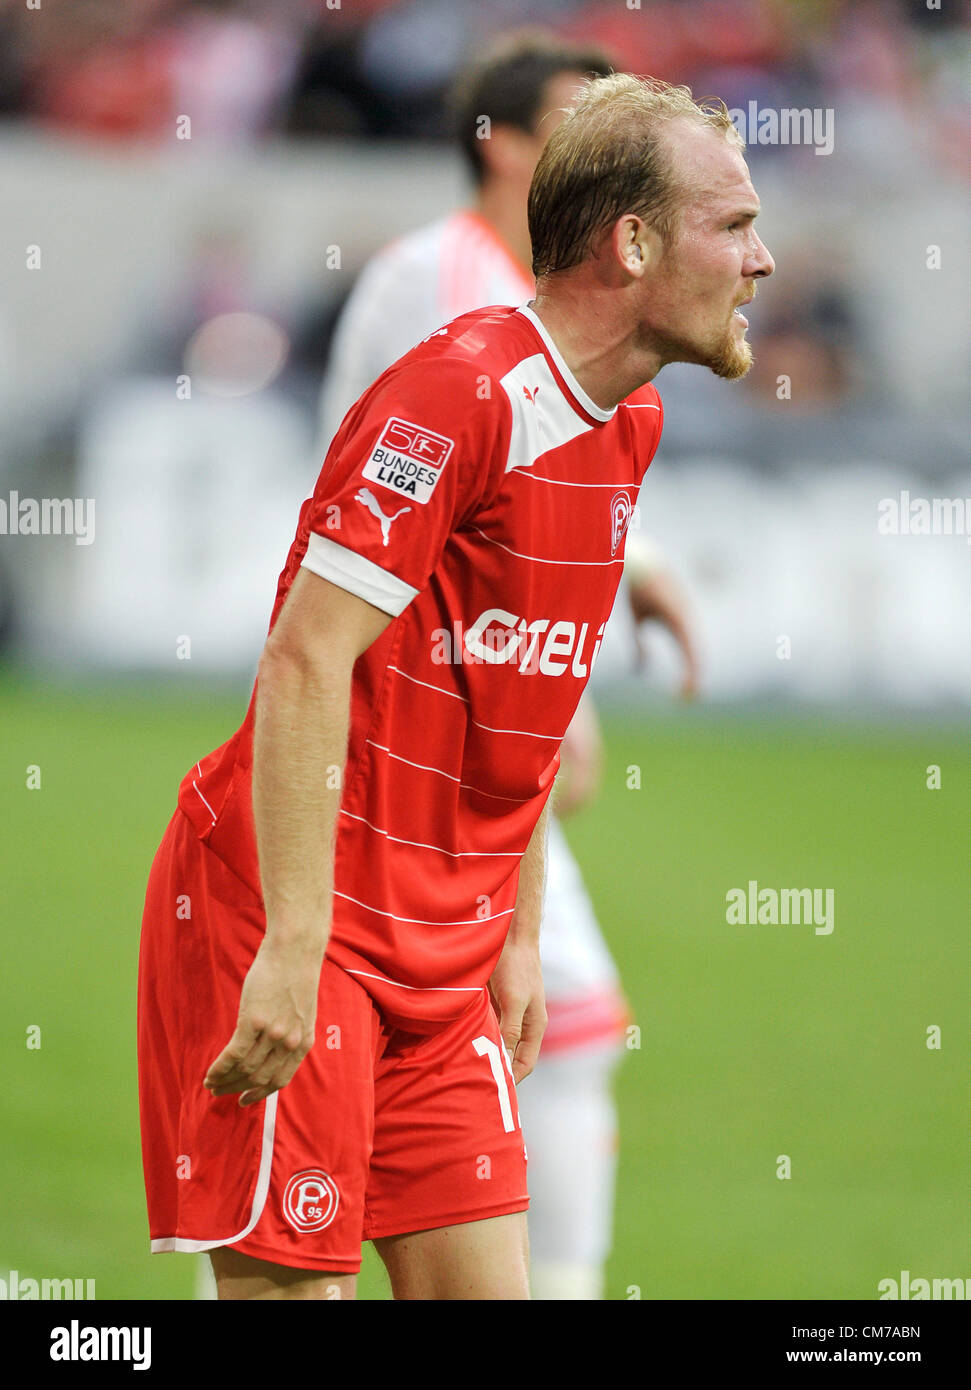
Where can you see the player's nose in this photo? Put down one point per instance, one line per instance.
(761, 262)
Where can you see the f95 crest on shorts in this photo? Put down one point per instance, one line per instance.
(310, 1200)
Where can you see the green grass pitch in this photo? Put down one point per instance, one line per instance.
(755, 1041)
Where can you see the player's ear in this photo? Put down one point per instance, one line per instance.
(633, 244)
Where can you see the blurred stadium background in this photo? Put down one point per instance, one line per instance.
(139, 251)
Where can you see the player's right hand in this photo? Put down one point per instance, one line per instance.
(275, 1027)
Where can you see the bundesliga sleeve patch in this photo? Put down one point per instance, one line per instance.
(408, 459)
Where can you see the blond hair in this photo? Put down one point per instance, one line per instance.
(608, 158)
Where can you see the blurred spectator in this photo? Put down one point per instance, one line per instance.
(110, 72)
(231, 67)
(381, 68)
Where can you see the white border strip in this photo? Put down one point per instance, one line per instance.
(539, 560)
(194, 1247)
(420, 989)
(591, 407)
(426, 767)
(424, 921)
(358, 575)
(420, 844)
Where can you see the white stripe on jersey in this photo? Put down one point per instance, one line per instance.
(562, 482)
(523, 733)
(539, 560)
(424, 767)
(425, 921)
(423, 989)
(420, 844)
(453, 694)
(195, 788)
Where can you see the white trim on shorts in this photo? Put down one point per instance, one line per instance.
(193, 1247)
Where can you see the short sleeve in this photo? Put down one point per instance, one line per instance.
(411, 460)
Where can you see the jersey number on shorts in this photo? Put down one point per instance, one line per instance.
(501, 1075)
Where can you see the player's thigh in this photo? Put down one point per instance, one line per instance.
(240, 1276)
(447, 1194)
(479, 1260)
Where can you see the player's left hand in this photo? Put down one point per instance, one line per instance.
(516, 987)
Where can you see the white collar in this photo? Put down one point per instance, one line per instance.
(591, 407)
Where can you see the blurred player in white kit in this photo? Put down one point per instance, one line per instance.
(506, 107)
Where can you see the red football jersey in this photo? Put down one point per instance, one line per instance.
(478, 495)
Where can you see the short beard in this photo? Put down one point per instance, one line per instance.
(732, 360)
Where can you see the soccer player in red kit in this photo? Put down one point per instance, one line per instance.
(341, 922)
(474, 257)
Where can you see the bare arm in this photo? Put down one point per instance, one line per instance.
(300, 745)
(658, 597)
(532, 881)
(581, 760)
(517, 981)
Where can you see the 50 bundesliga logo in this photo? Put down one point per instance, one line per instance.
(408, 458)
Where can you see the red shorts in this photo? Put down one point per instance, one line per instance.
(379, 1133)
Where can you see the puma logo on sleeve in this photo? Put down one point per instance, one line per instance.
(367, 499)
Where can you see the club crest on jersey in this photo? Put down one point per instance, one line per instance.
(310, 1200)
(408, 459)
(621, 511)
